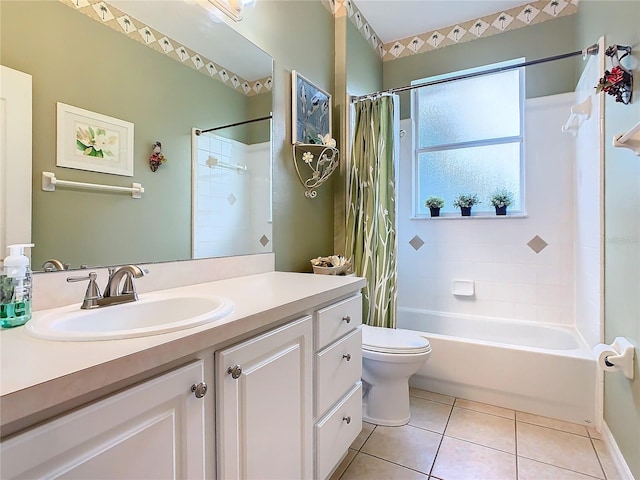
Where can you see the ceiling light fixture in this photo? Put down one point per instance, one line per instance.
(234, 9)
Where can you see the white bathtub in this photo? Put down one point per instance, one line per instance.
(542, 369)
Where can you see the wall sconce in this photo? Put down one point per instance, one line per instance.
(234, 9)
(318, 162)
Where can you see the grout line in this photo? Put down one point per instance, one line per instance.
(396, 463)
(368, 436)
(515, 432)
(561, 468)
(435, 457)
(604, 473)
(481, 445)
(487, 413)
(556, 429)
(431, 399)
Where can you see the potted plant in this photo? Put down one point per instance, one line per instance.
(465, 202)
(434, 204)
(501, 199)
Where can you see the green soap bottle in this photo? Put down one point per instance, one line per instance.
(15, 288)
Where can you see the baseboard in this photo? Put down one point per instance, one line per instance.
(616, 455)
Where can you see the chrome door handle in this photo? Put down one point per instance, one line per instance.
(347, 356)
(347, 318)
(235, 371)
(199, 390)
(347, 419)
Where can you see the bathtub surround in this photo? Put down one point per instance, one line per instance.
(522, 267)
(589, 211)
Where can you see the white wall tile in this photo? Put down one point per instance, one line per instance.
(512, 281)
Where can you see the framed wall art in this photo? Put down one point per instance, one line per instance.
(94, 142)
(311, 111)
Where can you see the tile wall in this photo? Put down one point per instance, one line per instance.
(589, 218)
(232, 208)
(523, 268)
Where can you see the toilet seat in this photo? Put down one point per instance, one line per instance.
(393, 341)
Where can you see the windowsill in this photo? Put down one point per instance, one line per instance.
(480, 216)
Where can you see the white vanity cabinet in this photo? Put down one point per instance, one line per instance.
(152, 430)
(264, 405)
(338, 389)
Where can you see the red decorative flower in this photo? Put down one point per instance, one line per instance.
(616, 75)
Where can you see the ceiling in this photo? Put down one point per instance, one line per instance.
(398, 19)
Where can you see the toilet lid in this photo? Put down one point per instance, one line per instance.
(388, 340)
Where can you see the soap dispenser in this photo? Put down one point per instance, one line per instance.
(15, 288)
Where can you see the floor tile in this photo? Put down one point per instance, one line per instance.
(434, 397)
(562, 449)
(351, 454)
(608, 465)
(486, 408)
(593, 433)
(532, 470)
(430, 415)
(552, 423)
(367, 428)
(408, 446)
(460, 460)
(483, 429)
(366, 467)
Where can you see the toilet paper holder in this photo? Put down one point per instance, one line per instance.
(624, 361)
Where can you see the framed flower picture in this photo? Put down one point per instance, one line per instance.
(311, 111)
(93, 142)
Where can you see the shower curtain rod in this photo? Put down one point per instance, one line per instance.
(592, 50)
(200, 132)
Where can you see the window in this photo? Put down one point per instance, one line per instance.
(469, 138)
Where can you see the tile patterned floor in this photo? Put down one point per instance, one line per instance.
(454, 439)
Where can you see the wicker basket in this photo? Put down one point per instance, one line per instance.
(341, 270)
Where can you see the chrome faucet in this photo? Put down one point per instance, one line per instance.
(52, 265)
(113, 294)
(128, 273)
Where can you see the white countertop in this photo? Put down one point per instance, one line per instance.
(37, 375)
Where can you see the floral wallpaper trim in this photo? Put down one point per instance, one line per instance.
(129, 26)
(340, 8)
(529, 13)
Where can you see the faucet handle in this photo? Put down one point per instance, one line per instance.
(92, 295)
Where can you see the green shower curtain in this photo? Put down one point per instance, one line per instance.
(371, 217)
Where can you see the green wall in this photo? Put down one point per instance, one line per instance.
(619, 22)
(364, 66)
(75, 60)
(532, 42)
(299, 36)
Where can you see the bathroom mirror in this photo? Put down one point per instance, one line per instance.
(166, 67)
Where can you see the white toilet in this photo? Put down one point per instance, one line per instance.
(389, 358)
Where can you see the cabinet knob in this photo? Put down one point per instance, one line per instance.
(347, 419)
(235, 371)
(347, 356)
(199, 389)
(347, 318)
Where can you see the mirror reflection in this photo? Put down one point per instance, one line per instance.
(167, 71)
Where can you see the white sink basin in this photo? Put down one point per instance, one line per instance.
(152, 314)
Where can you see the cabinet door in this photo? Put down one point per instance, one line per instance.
(264, 416)
(154, 430)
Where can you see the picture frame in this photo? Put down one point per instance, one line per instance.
(310, 110)
(93, 142)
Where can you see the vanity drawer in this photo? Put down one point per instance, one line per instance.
(337, 320)
(337, 430)
(338, 368)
